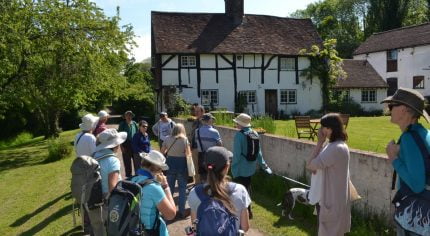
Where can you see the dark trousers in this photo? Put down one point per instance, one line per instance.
(137, 161)
(245, 181)
(202, 169)
(127, 155)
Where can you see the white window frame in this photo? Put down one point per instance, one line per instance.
(208, 95)
(287, 63)
(188, 61)
(368, 95)
(288, 96)
(249, 95)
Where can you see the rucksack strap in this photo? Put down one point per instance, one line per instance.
(167, 151)
(200, 191)
(80, 136)
(104, 156)
(200, 140)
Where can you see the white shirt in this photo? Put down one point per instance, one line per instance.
(86, 145)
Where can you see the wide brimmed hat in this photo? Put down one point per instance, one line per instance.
(89, 122)
(110, 138)
(208, 116)
(243, 120)
(156, 158)
(410, 98)
(216, 158)
(128, 112)
(103, 114)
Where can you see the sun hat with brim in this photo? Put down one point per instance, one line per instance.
(156, 158)
(208, 116)
(243, 120)
(110, 138)
(410, 98)
(89, 121)
(128, 112)
(103, 114)
(216, 158)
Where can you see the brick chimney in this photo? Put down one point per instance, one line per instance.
(234, 10)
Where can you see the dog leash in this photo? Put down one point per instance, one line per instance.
(292, 180)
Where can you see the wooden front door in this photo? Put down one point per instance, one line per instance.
(271, 102)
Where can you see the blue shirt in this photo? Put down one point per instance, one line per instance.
(240, 166)
(209, 137)
(409, 164)
(108, 165)
(141, 143)
(152, 194)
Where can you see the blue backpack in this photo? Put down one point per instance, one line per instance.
(213, 218)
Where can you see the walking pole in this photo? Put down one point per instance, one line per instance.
(292, 180)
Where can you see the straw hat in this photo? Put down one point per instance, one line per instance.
(243, 120)
(410, 98)
(110, 138)
(156, 158)
(89, 122)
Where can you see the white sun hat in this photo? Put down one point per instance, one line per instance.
(243, 120)
(89, 122)
(103, 114)
(156, 158)
(110, 138)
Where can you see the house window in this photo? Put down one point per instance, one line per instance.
(418, 82)
(392, 60)
(188, 61)
(209, 97)
(287, 63)
(288, 96)
(250, 96)
(368, 95)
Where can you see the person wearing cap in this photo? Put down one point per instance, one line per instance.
(101, 125)
(206, 136)
(406, 107)
(85, 141)
(242, 169)
(233, 196)
(155, 196)
(110, 172)
(176, 148)
(163, 128)
(199, 110)
(129, 126)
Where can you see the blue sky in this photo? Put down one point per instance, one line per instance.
(138, 13)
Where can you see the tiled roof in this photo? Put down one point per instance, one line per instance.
(216, 33)
(399, 38)
(360, 75)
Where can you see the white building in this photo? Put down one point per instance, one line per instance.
(212, 58)
(401, 57)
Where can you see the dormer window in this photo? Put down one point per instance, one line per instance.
(392, 60)
(188, 61)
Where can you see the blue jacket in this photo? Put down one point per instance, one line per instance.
(410, 164)
(240, 166)
(141, 143)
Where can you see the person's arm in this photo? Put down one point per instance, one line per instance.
(113, 180)
(237, 153)
(155, 128)
(244, 219)
(121, 127)
(92, 144)
(187, 148)
(320, 143)
(167, 205)
(218, 139)
(135, 143)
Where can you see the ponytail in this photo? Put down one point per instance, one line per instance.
(218, 188)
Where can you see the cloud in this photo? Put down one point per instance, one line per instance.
(143, 49)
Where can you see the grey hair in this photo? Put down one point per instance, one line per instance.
(179, 130)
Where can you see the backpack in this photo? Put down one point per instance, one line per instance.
(253, 145)
(86, 184)
(124, 210)
(213, 218)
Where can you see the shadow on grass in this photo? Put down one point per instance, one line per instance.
(60, 213)
(25, 155)
(27, 217)
(77, 231)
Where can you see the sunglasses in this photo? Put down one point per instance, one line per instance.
(144, 126)
(391, 105)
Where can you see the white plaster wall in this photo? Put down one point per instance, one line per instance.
(381, 94)
(411, 62)
(371, 173)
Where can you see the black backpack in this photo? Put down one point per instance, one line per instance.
(253, 145)
(124, 210)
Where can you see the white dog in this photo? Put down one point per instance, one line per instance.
(300, 195)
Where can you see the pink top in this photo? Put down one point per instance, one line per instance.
(99, 128)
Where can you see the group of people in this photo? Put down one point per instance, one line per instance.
(330, 158)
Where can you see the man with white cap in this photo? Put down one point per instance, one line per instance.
(110, 172)
(85, 141)
(410, 161)
(101, 125)
(243, 169)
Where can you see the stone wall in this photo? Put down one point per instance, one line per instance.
(371, 173)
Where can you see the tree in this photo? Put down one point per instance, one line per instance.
(58, 55)
(326, 65)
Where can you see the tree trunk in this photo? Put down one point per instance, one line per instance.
(52, 128)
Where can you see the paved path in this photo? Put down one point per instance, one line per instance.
(177, 227)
